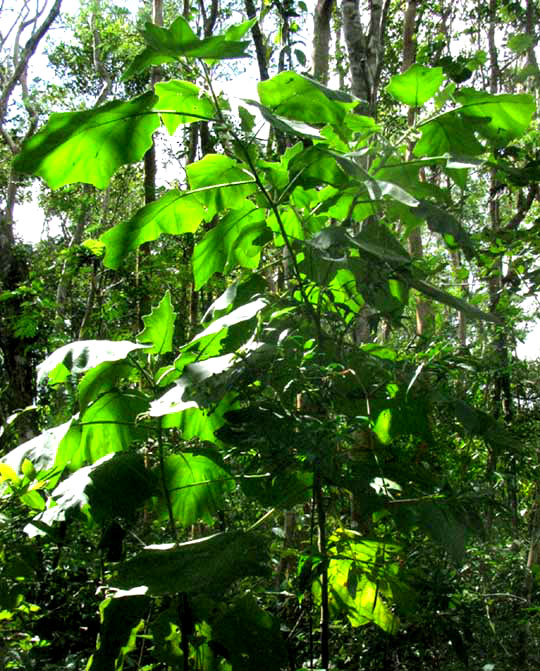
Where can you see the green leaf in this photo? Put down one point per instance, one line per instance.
(114, 487)
(449, 133)
(101, 379)
(444, 528)
(315, 165)
(382, 427)
(107, 425)
(118, 486)
(288, 126)
(375, 239)
(167, 45)
(207, 565)
(41, 450)
(175, 213)
(184, 100)
(120, 622)
(194, 374)
(442, 222)
(90, 146)
(508, 115)
(78, 357)
(453, 301)
(232, 242)
(299, 98)
(196, 486)
(159, 327)
(260, 631)
(379, 189)
(520, 42)
(415, 86)
(224, 183)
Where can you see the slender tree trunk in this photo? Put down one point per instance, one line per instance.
(258, 40)
(365, 45)
(321, 39)
(424, 314)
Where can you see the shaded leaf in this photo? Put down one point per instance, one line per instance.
(442, 222)
(206, 565)
(120, 621)
(260, 631)
(453, 301)
(167, 45)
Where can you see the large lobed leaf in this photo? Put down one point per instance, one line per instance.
(185, 103)
(232, 242)
(299, 98)
(167, 45)
(78, 357)
(207, 565)
(415, 86)
(159, 327)
(176, 212)
(90, 146)
(196, 486)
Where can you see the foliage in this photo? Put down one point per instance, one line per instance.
(279, 404)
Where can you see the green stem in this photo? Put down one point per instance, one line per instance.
(167, 494)
(325, 614)
(272, 205)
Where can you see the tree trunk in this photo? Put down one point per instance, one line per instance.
(258, 40)
(321, 39)
(366, 49)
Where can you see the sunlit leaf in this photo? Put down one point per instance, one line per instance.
(78, 357)
(415, 86)
(159, 327)
(90, 146)
(107, 425)
(229, 182)
(185, 102)
(508, 115)
(293, 96)
(196, 486)
(176, 212)
(232, 242)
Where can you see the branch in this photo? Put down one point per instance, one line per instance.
(26, 55)
(98, 63)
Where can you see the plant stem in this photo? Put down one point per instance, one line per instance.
(321, 525)
(161, 453)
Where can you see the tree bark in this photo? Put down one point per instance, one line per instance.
(424, 314)
(258, 40)
(321, 39)
(365, 46)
